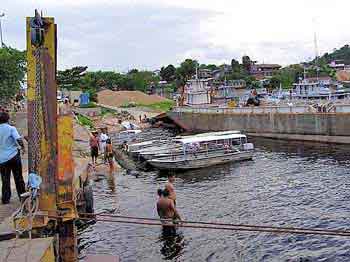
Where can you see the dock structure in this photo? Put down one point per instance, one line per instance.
(302, 123)
(50, 155)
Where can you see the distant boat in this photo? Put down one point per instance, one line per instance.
(318, 88)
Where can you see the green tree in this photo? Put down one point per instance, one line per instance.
(247, 63)
(342, 53)
(71, 78)
(274, 82)
(12, 72)
(187, 69)
(234, 64)
(168, 73)
(288, 75)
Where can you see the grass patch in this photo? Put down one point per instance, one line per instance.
(128, 105)
(85, 121)
(89, 105)
(163, 106)
(107, 111)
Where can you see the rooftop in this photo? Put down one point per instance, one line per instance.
(268, 65)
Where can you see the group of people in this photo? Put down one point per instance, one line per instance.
(101, 143)
(166, 205)
(144, 119)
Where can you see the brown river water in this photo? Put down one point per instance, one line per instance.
(286, 184)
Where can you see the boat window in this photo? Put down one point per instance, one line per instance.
(236, 142)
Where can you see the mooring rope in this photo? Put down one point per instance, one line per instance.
(208, 225)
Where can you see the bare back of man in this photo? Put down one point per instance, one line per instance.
(166, 208)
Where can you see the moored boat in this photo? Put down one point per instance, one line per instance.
(200, 152)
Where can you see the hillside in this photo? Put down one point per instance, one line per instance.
(342, 53)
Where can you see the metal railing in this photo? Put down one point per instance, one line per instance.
(285, 109)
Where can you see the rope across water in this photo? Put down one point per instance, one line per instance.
(209, 225)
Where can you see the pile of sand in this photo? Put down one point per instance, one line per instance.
(119, 98)
(343, 75)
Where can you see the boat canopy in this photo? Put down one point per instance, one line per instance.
(219, 133)
(190, 140)
(129, 132)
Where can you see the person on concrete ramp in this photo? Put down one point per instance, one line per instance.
(10, 158)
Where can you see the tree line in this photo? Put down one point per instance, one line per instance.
(13, 71)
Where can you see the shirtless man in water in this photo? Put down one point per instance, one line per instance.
(170, 187)
(165, 206)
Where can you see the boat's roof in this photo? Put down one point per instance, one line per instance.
(210, 138)
(219, 133)
(130, 132)
(143, 143)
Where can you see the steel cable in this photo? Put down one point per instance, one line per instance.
(215, 226)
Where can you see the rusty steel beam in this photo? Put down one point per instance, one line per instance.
(50, 135)
(42, 109)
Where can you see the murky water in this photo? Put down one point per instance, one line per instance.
(287, 184)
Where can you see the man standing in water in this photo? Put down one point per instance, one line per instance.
(166, 209)
(10, 158)
(94, 147)
(170, 187)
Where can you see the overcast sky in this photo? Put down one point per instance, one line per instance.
(146, 34)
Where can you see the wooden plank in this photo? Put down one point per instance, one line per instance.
(34, 250)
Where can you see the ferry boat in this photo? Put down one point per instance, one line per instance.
(171, 146)
(200, 152)
(318, 88)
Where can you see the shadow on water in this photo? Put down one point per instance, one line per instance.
(308, 150)
(206, 174)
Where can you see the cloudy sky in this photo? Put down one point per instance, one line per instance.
(146, 34)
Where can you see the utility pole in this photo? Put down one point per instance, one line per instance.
(1, 39)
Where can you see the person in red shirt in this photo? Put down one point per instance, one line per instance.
(94, 147)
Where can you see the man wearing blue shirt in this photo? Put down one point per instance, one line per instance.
(10, 158)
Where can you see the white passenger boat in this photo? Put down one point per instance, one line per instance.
(149, 149)
(199, 152)
(219, 133)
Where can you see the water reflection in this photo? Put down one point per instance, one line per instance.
(207, 174)
(111, 180)
(172, 242)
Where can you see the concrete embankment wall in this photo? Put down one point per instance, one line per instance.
(321, 127)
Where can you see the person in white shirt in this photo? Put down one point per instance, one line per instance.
(103, 140)
(10, 158)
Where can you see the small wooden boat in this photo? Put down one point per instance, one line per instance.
(235, 148)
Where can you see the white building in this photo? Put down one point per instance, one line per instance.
(198, 92)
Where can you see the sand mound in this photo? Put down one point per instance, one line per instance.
(343, 75)
(118, 98)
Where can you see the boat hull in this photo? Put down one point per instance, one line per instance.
(200, 162)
